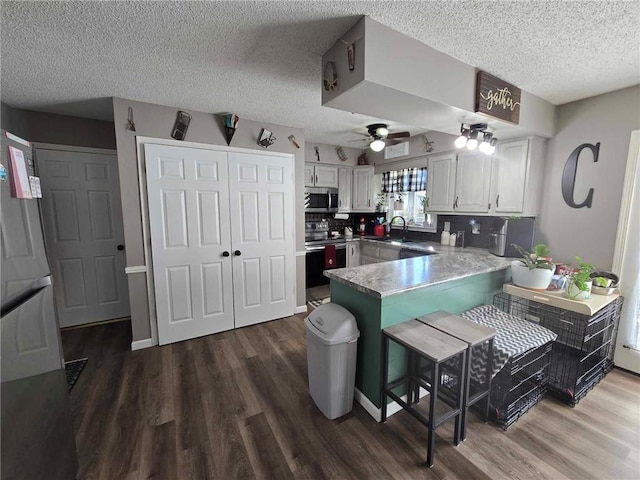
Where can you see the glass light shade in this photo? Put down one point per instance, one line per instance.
(490, 150)
(461, 141)
(484, 147)
(382, 131)
(377, 145)
(473, 140)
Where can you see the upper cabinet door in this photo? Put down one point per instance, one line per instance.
(473, 176)
(510, 176)
(309, 175)
(326, 176)
(344, 189)
(362, 191)
(441, 174)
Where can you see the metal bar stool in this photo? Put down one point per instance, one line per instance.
(474, 335)
(425, 344)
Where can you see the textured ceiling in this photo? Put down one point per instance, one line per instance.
(263, 59)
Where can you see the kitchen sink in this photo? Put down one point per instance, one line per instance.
(391, 240)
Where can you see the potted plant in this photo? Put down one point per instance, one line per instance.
(604, 283)
(534, 270)
(580, 281)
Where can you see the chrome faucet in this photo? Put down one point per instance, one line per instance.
(404, 225)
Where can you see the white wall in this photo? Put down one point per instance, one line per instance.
(588, 232)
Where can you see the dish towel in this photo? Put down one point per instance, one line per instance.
(330, 256)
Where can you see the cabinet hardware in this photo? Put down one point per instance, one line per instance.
(369, 202)
(225, 254)
(427, 202)
(120, 247)
(455, 204)
(489, 206)
(316, 179)
(498, 201)
(237, 253)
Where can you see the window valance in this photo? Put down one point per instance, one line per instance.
(405, 180)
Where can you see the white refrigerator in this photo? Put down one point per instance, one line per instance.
(38, 440)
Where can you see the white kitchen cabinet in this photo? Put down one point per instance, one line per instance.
(517, 177)
(353, 254)
(317, 175)
(441, 178)
(362, 198)
(309, 175)
(345, 178)
(473, 180)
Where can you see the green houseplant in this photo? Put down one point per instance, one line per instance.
(580, 282)
(534, 270)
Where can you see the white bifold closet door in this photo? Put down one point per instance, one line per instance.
(261, 204)
(188, 193)
(222, 239)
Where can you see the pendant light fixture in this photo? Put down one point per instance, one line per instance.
(472, 143)
(470, 138)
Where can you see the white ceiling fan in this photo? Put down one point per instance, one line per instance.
(378, 136)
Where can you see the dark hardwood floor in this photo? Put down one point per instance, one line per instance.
(236, 405)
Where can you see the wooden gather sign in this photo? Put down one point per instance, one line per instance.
(497, 98)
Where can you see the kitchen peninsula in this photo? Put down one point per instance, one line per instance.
(384, 294)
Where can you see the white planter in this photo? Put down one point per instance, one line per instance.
(537, 279)
(574, 293)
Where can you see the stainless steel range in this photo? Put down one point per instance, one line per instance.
(316, 240)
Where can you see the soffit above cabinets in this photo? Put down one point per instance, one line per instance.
(404, 80)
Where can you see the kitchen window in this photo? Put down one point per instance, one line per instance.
(405, 192)
(411, 206)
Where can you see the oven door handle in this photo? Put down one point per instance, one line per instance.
(319, 248)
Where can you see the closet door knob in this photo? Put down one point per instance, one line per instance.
(225, 254)
(237, 253)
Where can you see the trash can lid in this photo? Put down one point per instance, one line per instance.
(332, 324)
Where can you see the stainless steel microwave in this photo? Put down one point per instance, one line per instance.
(320, 199)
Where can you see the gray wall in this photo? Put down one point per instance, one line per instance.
(58, 129)
(588, 232)
(442, 142)
(328, 154)
(156, 121)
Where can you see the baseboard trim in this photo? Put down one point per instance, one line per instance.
(367, 404)
(140, 344)
(301, 309)
(376, 412)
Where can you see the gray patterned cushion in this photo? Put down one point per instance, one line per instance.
(514, 337)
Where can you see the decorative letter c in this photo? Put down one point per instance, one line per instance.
(569, 176)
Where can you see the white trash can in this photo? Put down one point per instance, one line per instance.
(332, 336)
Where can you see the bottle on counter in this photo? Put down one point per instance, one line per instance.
(444, 238)
(452, 240)
(362, 226)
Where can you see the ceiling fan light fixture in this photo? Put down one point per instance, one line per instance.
(377, 145)
(382, 131)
